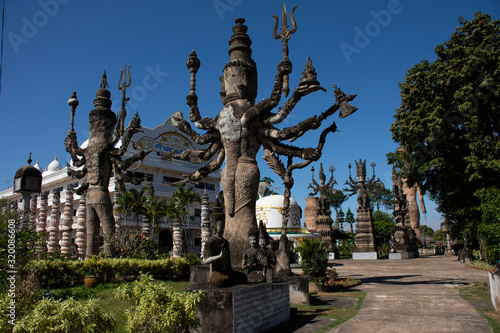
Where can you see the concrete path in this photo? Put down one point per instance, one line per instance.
(416, 295)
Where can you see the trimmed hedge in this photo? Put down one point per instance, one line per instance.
(65, 272)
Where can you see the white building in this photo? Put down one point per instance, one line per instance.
(160, 140)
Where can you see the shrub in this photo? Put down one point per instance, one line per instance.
(345, 248)
(314, 259)
(66, 316)
(63, 272)
(158, 308)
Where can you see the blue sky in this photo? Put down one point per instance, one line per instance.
(53, 47)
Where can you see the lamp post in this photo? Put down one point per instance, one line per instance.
(27, 181)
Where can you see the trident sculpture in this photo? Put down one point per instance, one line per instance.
(242, 127)
(285, 35)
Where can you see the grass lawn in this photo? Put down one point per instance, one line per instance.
(104, 294)
(480, 291)
(340, 314)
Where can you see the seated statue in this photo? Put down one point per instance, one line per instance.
(216, 253)
(253, 259)
(266, 253)
(284, 257)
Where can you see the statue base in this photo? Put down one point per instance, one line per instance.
(299, 284)
(364, 256)
(401, 255)
(243, 308)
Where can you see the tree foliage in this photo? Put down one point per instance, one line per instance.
(381, 197)
(449, 121)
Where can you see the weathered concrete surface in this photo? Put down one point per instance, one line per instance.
(417, 295)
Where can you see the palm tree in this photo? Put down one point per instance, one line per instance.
(124, 205)
(154, 209)
(138, 201)
(178, 210)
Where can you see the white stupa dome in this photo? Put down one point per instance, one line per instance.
(269, 211)
(38, 167)
(54, 165)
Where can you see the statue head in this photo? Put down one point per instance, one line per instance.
(361, 170)
(253, 238)
(322, 176)
(101, 119)
(240, 73)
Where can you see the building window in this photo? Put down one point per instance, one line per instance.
(197, 212)
(169, 179)
(205, 186)
(197, 241)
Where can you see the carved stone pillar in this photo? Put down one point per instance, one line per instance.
(32, 216)
(42, 222)
(66, 223)
(365, 242)
(81, 234)
(311, 213)
(177, 238)
(118, 221)
(53, 228)
(205, 222)
(146, 222)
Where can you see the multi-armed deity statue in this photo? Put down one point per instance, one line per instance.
(323, 220)
(242, 127)
(365, 241)
(99, 159)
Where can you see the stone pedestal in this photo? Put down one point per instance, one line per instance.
(364, 255)
(401, 255)
(495, 289)
(299, 289)
(324, 227)
(299, 284)
(244, 308)
(365, 242)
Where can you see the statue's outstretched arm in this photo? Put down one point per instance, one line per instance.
(76, 173)
(270, 103)
(139, 156)
(80, 190)
(195, 156)
(194, 114)
(202, 172)
(71, 145)
(179, 122)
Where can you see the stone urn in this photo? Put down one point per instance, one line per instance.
(92, 281)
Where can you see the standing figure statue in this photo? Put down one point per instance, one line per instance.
(99, 160)
(323, 189)
(242, 127)
(365, 241)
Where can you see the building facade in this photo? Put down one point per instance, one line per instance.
(53, 204)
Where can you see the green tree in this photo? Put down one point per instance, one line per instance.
(137, 203)
(178, 208)
(154, 209)
(426, 232)
(336, 199)
(269, 191)
(448, 123)
(124, 206)
(349, 218)
(381, 197)
(383, 223)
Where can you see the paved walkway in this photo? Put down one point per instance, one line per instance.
(416, 295)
